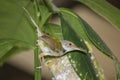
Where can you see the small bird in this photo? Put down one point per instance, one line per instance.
(50, 45)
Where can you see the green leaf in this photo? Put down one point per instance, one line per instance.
(14, 24)
(5, 46)
(86, 32)
(14, 50)
(96, 40)
(74, 20)
(10, 47)
(80, 61)
(42, 12)
(104, 9)
(15, 29)
(45, 14)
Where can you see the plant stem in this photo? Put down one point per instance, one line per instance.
(37, 64)
(51, 6)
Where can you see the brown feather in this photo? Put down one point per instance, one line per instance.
(51, 42)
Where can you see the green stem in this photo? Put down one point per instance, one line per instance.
(36, 50)
(51, 6)
(37, 70)
(37, 64)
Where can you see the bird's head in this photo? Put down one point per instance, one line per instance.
(69, 46)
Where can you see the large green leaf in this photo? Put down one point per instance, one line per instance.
(104, 9)
(80, 61)
(15, 29)
(86, 32)
(19, 47)
(13, 22)
(4, 48)
(45, 14)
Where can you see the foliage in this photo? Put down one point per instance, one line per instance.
(17, 33)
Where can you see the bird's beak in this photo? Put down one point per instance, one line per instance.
(81, 50)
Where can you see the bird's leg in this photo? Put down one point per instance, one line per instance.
(41, 56)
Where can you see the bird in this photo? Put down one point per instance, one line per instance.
(52, 46)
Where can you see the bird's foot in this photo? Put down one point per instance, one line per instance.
(41, 57)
